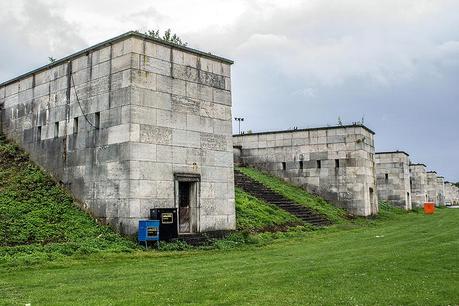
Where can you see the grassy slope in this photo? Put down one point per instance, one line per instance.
(38, 219)
(409, 259)
(254, 214)
(296, 194)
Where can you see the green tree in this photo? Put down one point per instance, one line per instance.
(167, 36)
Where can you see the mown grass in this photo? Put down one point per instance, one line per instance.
(52, 253)
(408, 260)
(297, 194)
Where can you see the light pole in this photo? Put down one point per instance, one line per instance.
(239, 121)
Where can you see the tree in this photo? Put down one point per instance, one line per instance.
(340, 123)
(167, 36)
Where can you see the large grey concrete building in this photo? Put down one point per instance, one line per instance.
(418, 185)
(451, 194)
(441, 190)
(432, 187)
(334, 162)
(131, 124)
(393, 178)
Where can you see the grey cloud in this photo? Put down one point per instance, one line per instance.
(303, 63)
(31, 34)
(147, 18)
(394, 63)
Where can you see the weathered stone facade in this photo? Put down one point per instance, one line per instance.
(432, 188)
(334, 162)
(441, 190)
(393, 178)
(418, 185)
(148, 118)
(451, 194)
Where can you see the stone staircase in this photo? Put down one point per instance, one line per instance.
(262, 192)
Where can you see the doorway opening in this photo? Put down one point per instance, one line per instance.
(187, 199)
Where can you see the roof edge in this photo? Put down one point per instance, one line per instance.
(393, 152)
(418, 164)
(307, 129)
(109, 42)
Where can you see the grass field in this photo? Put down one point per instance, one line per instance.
(406, 259)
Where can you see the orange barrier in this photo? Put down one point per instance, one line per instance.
(429, 208)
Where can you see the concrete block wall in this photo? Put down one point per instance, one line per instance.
(393, 178)
(432, 188)
(451, 194)
(334, 162)
(116, 122)
(418, 185)
(441, 190)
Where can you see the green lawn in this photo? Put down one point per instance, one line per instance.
(403, 260)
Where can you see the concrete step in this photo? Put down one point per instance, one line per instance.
(262, 192)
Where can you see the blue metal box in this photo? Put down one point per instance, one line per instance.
(148, 230)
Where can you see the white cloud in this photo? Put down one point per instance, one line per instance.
(31, 31)
(298, 62)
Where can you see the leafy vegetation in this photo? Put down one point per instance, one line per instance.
(297, 194)
(39, 219)
(253, 214)
(167, 36)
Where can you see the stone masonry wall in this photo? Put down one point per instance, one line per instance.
(432, 187)
(418, 185)
(451, 194)
(145, 111)
(335, 162)
(441, 190)
(393, 178)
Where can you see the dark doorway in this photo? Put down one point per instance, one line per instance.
(187, 198)
(185, 207)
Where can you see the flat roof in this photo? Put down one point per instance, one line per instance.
(393, 152)
(307, 129)
(111, 41)
(418, 164)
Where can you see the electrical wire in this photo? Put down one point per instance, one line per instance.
(79, 104)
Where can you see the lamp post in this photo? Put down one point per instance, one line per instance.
(239, 121)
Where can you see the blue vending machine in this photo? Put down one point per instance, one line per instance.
(148, 231)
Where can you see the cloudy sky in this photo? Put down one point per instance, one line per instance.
(394, 63)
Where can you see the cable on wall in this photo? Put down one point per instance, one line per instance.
(79, 104)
